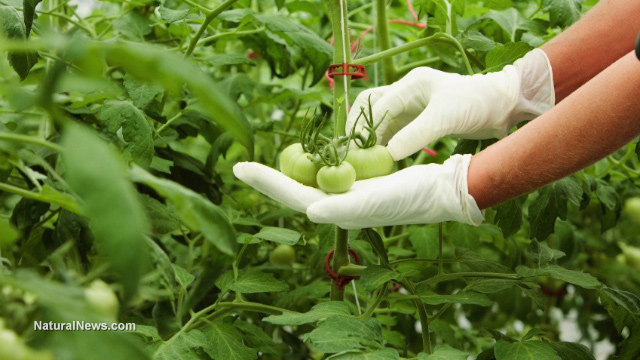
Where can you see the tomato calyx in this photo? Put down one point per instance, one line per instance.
(369, 124)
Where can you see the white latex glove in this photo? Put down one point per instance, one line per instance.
(428, 104)
(416, 195)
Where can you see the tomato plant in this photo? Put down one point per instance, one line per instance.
(120, 122)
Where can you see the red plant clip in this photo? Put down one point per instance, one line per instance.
(341, 281)
(346, 70)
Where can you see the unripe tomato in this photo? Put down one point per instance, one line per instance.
(631, 255)
(13, 348)
(282, 255)
(632, 209)
(336, 179)
(370, 162)
(295, 163)
(102, 298)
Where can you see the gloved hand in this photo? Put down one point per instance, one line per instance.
(416, 195)
(428, 104)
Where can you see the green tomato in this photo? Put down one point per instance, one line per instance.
(282, 255)
(631, 255)
(102, 298)
(371, 162)
(336, 179)
(632, 209)
(295, 163)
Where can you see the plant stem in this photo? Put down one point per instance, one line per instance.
(341, 53)
(382, 34)
(30, 140)
(230, 33)
(410, 66)
(207, 20)
(446, 277)
(433, 39)
(196, 5)
(422, 314)
(440, 258)
(381, 295)
(340, 258)
(460, 48)
(73, 207)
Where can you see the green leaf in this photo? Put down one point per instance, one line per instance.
(510, 20)
(579, 278)
(279, 235)
(141, 93)
(527, 350)
(606, 194)
(498, 4)
(509, 216)
(444, 352)
(133, 25)
(463, 235)
(476, 40)
(377, 244)
(255, 281)
(172, 72)
(551, 204)
(424, 240)
(182, 275)
(318, 312)
(224, 341)
(29, 12)
(171, 16)
(8, 234)
(136, 130)
(563, 12)
(183, 346)
(572, 351)
(467, 298)
(503, 55)
(622, 306)
(256, 337)
(374, 276)
(541, 253)
(228, 59)
(12, 27)
(381, 354)
(162, 220)
(490, 286)
(341, 333)
(116, 217)
(197, 213)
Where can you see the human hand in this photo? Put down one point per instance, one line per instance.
(428, 104)
(416, 195)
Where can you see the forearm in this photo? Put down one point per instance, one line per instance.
(602, 36)
(591, 123)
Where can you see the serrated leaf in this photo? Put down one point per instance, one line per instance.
(541, 253)
(377, 244)
(510, 20)
(173, 73)
(197, 213)
(381, 354)
(141, 93)
(341, 333)
(572, 351)
(256, 337)
(444, 352)
(563, 12)
(279, 235)
(579, 278)
(527, 350)
(509, 216)
(468, 298)
(171, 15)
(12, 26)
(133, 25)
(622, 306)
(474, 39)
(374, 276)
(184, 346)
(318, 312)
(29, 12)
(551, 204)
(503, 55)
(225, 342)
(136, 130)
(182, 275)
(110, 202)
(463, 235)
(255, 281)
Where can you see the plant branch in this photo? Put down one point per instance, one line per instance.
(207, 20)
(30, 140)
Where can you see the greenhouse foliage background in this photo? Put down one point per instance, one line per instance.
(120, 122)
